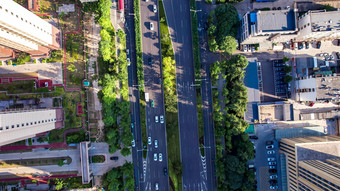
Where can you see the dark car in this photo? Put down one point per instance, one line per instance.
(280, 73)
(114, 158)
(165, 171)
(272, 171)
(150, 61)
(338, 55)
(307, 45)
(253, 137)
(273, 182)
(300, 45)
(318, 44)
(279, 69)
(279, 77)
(269, 142)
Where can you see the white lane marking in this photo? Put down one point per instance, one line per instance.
(182, 24)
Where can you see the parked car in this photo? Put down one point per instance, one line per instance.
(245, 48)
(152, 103)
(133, 143)
(156, 186)
(160, 158)
(272, 167)
(150, 61)
(272, 163)
(253, 137)
(151, 26)
(154, 8)
(300, 46)
(114, 158)
(270, 152)
(149, 141)
(303, 45)
(155, 156)
(295, 46)
(269, 142)
(307, 45)
(272, 171)
(273, 187)
(273, 176)
(156, 119)
(269, 146)
(279, 69)
(156, 143)
(273, 181)
(162, 118)
(271, 159)
(280, 73)
(128, 61)
(279, 77)
(318, 44)
(165, 171)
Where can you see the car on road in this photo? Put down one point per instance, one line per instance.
(133, 143)
(271, 159)
(150, 61)
(156, 143)
(128, 61)
(300, 45)
(165, 171)
(156, 186)
(295, 46)
(279, 69)
(253, 137)
(152, 103)
(273, 181)
(160, 158)
(272, 187)
(149, 141)
(270, 152)
(151, 26)
(272, 171)
(318, 44)
(155, 156)
(161, 118)
(132, 125)
(272, 163)
(273, 176)
(272, 167)
(156, 119)
(114, 158)
(154, 8)
(269, 142)
(269, 146)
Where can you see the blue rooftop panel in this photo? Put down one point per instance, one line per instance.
(253, 17)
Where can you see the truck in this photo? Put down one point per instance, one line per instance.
(147, 97)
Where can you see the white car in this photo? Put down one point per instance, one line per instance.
(160, 158)
(161, 118)
(154, 8)
(270, 152)
(156, 143)
(273, 176)
(149, 140)
(133, 143)
(155, 156)
(151, 26)
(156, 186)
(271, 159)
(156, 119)
(128, 61)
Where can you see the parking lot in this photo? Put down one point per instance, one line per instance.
(265, 133)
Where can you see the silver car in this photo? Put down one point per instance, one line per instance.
(133, 143)
(149, 140)
(156, 119)
(160, 158)
(162, 118)
(273, 176)
(155, 156)
(151, 26)
(156, 143)
(270, 152)
(154, 8)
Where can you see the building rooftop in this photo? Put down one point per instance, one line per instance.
(251, 81)
(328, 87)
(325, 21)
(318, 151)
(278, 20)
(292, 132)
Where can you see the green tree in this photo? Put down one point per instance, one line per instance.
(288, 69)
(328, 7)
(125, 151)
(285, 59)
(61, 163)
(23, 58)
(71, 67)
(59, 184)
(288, 78)
(213, 47)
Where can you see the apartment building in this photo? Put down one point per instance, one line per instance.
(312, 163)
(22, 30)
(17, 125)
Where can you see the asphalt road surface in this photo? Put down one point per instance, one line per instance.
(137, 152)
(153, 85)
(178, 17)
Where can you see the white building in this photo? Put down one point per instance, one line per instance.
(315, 25)
(17, 125)
(22, 30)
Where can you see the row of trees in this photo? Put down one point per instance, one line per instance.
(120, 178)
(138, 36)
(223, 24)
(233, 147)
(115, 103)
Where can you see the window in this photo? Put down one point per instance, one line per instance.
(0, 128)
(39, 122)
(55, 119)
(7, 127)
(6, 10)
(42, 121)
(12, 126)
(49, 120)
(18, 125)
(35, 122)
(46, 120)
(31, 123)
(26, 124)
(22, 125)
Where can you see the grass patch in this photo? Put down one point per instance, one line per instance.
(98, 159)
(18, 86)
(34, 162)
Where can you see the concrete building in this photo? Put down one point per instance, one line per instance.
(318, 87)
(312, 163)
(22, 30)
(315, 25)
(271, 26)
(17, 125)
